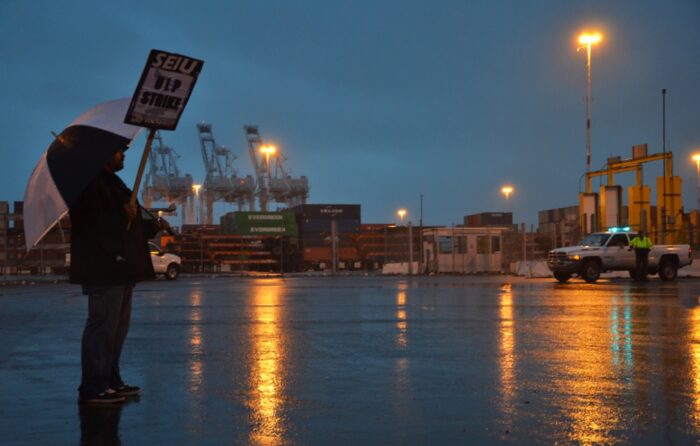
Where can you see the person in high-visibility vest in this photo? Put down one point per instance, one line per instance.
(642, 245)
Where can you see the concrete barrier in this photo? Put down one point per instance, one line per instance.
(399, 268)
(539, 269)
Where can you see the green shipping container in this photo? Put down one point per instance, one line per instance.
(260, 223)
(264, 218)
(256, 229)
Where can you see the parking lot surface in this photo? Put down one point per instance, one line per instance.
(365, 360)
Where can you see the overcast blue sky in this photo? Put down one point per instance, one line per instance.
(376, 101)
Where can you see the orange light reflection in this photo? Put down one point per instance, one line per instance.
(267, 368)
(694, 344)
(586, 366)
(195, 338)
(507, 363)
(401, 325)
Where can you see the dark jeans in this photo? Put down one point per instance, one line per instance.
(109, 312)
(642, 263)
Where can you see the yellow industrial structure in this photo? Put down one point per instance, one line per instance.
(605, 209)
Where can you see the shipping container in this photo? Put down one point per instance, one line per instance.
(260, 223)
(318, 226)
(380, 244)
(328, 211)
(500, 219)
(204, 248)
(201, 229)
(321, 258)
(321, 240)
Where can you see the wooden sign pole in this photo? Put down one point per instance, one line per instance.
(142, 166)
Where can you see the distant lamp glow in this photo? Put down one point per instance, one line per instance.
(401, 213)
(267, 151)
(506, 191)
(195, 189)
(589, 38)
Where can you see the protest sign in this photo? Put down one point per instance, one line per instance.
(162, 93)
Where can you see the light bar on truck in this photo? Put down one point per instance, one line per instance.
(616, 229)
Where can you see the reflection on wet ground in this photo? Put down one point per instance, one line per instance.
(362, 360)
(268, 366)
(100, 425)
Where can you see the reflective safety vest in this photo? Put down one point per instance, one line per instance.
(643, 242)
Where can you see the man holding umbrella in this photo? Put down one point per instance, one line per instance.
(109, 251)
(109, 254)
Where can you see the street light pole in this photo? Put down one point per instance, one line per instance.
(265, 187)
(402, 213)
(696, 158)
(420, 238)
(588, 109)
(588, 40)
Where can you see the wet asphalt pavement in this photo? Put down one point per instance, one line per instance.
(365, 361)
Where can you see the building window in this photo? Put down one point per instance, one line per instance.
(495, 243)
(482, 244)
(618, 240)
(461, 244)
(445, 244)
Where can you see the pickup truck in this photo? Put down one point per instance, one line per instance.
(164, 263)
(610, 251)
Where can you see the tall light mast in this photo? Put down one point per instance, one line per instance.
(273, 182)
(221, 182)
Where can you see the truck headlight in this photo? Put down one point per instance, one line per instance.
(575, 257)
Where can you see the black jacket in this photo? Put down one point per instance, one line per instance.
(103, 251)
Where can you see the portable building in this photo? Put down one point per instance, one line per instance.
(463, 250)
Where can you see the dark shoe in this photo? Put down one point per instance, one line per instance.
(105, 397)
(127, 390)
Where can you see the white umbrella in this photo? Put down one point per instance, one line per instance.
(72, 160)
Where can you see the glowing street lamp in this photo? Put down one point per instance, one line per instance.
(587, 40)
(506, 191)
(696, 158)
(401, 213)
(267, 151)
(195, 189)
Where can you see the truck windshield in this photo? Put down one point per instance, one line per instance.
(594, 240)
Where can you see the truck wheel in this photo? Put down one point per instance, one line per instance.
(562, 277)
(172, 272)
(668, 269)
(590, 272)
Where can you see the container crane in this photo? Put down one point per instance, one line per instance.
(163, 180)
(273, 182)
(222, 182)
